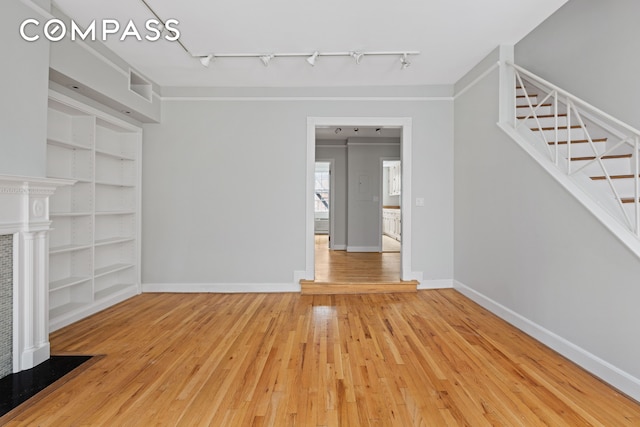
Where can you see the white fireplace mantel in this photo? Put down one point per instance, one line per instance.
(24, 212)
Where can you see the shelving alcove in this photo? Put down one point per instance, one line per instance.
(94, 247)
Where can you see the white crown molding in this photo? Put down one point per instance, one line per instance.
(477, 80)
(601, 368)
(306, 98)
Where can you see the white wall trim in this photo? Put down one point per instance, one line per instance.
(306, 98)
(405, 123)
(363, 249)
(435, 284)
(222, 288)
(339, 247)
(611, 374)
(477, 80)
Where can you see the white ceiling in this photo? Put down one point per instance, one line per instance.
(452, 36)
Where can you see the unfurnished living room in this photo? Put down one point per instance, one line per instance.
(414, 213)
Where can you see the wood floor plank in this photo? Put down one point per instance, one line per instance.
(428, 358)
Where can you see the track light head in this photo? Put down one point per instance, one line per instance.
(312, 59)
(338, 130)
(357, 56)
(404, 61)
(266, 58)
(206, 60)
(379, 131)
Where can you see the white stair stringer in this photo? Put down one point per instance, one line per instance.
(595, 198)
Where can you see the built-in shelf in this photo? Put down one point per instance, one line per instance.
(113, 241)
(139, 85)
(110, 269)
(115, 213)
(112, 290)
(79, 180)
(70, 213)
(114, 184)
(117, 156)
(67, 248)
(67, 282)
(67, 144)
(94, 246)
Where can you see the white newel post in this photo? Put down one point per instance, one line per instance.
(507, 104)
(24, 212)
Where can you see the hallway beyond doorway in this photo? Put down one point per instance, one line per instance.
(341, 272)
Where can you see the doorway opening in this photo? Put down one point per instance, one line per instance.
(391, 213)
(364, 188)
(323, 204)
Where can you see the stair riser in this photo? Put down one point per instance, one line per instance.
(631, 211)
(578, 150)
(522, 102)
(625, 187)
(540, 111)
(613, 166)
(545, 122)
(576, 134)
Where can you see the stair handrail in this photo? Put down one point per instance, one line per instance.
(572, 103)
(575, 99)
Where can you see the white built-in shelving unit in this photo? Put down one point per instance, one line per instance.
(94, 247)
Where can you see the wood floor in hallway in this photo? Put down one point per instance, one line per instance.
(354, 267)
(427, 358)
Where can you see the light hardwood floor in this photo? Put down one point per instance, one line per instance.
(355, 267)
(428, 358)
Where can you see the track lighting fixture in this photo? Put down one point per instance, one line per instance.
(206, 60)
(265, 59)
(404, 61)
(338, 130)
(356, 130)
(379, 131)
(312, 59)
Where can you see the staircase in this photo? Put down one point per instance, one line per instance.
(596, 151)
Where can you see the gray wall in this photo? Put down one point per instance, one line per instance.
(23, 105)
(212, 174)
(590, 48)
(524, 242)
(364, 171)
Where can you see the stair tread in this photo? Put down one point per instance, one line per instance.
(628, 200)
(543, 116)
(541, 105)
(579, 141)
(530, 95)
(611, 156)
(553, 128)
(602, 177)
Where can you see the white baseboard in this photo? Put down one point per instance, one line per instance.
(609, 373)
(435, 284)
(339, 247)
(221, 288)
(363, 249)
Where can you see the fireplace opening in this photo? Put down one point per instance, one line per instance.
(6, 305)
